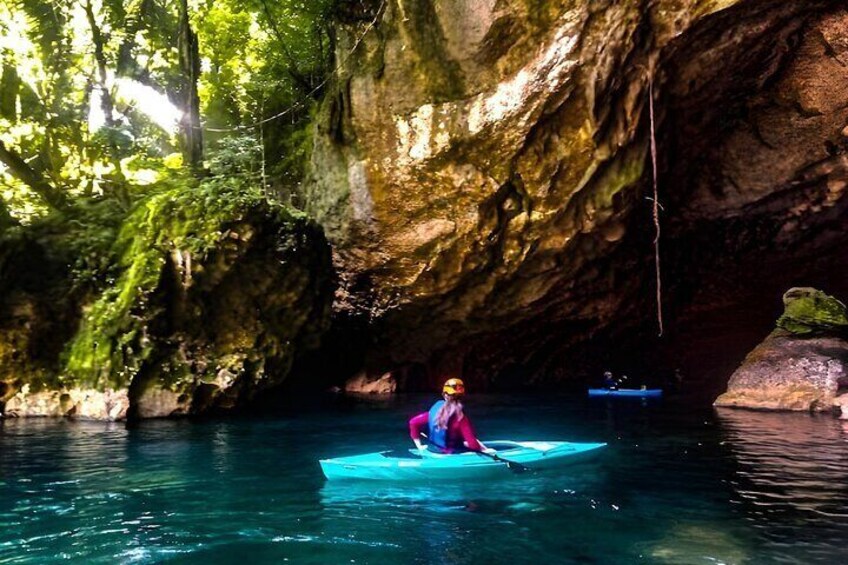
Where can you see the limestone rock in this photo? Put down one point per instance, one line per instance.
(481, 167)
(44, 403)
(156, 402)
(786, 372)
(364, 384)
(84, 404)
(99, 405)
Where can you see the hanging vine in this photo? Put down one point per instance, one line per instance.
(656, 205)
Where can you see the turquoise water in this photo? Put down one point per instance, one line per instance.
(676, 485)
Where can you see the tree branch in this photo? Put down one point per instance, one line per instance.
(6, 218)
(107, 104)
(18, 168)
(100, 58)
(133, 22)
(291, 62)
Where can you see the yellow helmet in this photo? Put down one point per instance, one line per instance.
(454, 387)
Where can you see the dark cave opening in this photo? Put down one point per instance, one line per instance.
(753, 186)
(753, 195)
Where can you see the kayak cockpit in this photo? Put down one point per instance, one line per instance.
(401, 454)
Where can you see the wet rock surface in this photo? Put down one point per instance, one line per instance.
(76, 403)
(482, 172)
(363, 384)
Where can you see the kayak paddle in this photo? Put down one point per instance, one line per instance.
(513, 466)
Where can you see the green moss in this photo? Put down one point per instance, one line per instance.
(621, 173)
(808, 311)
(441, 75)
(111, 343)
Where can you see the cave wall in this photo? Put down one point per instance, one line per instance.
(481, 171)
(764, 181)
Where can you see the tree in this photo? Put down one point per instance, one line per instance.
(106, 102)
(189, 54)
(73, 119)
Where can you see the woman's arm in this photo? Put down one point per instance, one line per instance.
(468, 436)
(417, 425)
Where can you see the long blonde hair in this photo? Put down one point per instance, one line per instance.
(452, 408)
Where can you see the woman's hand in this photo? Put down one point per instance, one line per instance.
(485, 449)
(418, 444)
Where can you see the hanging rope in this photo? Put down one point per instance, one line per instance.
(656, 205)
(303, 102)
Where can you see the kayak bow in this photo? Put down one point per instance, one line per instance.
(428, 465)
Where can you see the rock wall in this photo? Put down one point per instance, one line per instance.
(212, 300)
(481, 168)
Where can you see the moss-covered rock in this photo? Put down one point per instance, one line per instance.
(808, 311)
(802, 365)
(213, 293)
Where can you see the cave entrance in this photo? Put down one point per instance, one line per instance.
(754, 176)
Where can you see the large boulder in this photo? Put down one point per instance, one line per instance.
(361, 383)
(798, 367)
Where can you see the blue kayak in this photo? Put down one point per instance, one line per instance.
(427, 465)
(627, 392)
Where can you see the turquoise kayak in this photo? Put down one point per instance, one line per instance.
(427, 465)
(627, 392)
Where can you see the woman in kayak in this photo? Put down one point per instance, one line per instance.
(448, 428)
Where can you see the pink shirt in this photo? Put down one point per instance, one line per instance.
(458, 431)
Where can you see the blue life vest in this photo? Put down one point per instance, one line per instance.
(437, 437)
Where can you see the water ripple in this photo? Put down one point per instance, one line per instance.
(674, 487)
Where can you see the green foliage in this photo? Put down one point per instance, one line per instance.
(261, 59)
(808, 311)
(85, 235)
(89, 109)
(266, 58)
(237, 155)
(186, 218)
(296, 148)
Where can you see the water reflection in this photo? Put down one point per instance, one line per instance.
(788, 461)
(674, 487)
(791, 480)
(442, 520)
